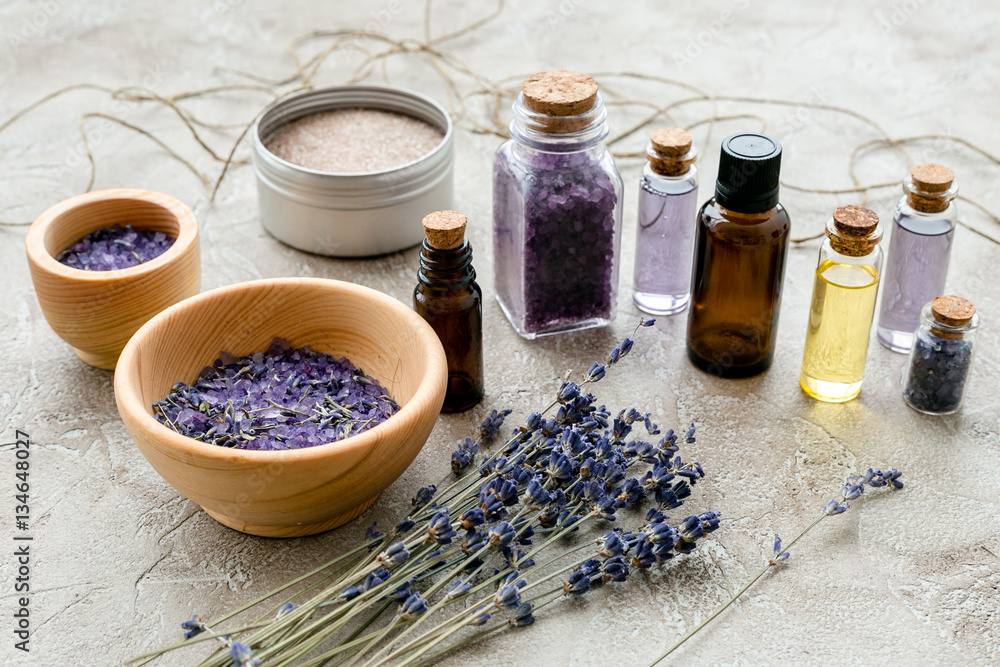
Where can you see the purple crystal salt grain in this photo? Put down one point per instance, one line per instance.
(115, 248)
(284, 398)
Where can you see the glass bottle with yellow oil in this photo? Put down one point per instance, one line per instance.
(843, 305)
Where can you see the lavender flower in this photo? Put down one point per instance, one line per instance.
(480, 618)
(439, 529)
(194, 627)
(835, 507)
(522, 615)
(424, 496)
(578, 583)
(778, 556)
(611, 544)
(242, 655)
(394, 556)
(413, 606)
(462, 457)
(286, 608)
(614, 569)
(491, 425)
(372, 534)
(595, 373)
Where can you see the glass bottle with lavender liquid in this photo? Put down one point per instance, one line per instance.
(668, 206)
(919, 249)
(557, 209)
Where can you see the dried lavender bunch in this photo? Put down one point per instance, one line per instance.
(516, 531)
(282, 399)
(853, 488)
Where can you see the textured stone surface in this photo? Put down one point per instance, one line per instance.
(121, 559)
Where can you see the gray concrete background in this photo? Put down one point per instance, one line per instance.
(121, 559)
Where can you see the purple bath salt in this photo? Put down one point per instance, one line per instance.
(556, 238)
(282, 399)
(557, 209)
(115, 248)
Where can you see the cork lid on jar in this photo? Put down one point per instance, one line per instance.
(856, 221)
(671, 141)
(952, 311)
(932, 178)
(445, 230)
(559, 92)
(854, 231)
(670, 151)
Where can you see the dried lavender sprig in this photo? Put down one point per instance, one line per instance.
(853, 488)
(579, 486)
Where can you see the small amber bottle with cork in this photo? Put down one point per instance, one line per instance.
(843, 306)
(449, 299)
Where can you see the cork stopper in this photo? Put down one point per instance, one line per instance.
(952, 311)
(930, 188)
(445, 230)
(559, 92)
(932, 178)
(670, 151)
(855, 221)
(854, 231)
(671, 141)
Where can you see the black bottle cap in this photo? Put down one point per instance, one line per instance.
(749, 167)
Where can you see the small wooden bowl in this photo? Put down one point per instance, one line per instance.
(293, 492)
(98, 311)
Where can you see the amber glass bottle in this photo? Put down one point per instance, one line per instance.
(449, 299)
(739, 262)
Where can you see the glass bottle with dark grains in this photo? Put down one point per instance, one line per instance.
(739, 262)
(449, 299)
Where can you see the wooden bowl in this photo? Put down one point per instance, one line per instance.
(98, 311)
(292, 492)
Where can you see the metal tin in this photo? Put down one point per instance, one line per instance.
(351, 214)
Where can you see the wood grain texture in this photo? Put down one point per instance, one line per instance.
(295, 492)
(98, 311)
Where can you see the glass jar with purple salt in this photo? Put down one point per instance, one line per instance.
(919, 249)
(668, 214)
(941, 356)
(557, 208)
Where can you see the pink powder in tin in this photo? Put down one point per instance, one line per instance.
(354, 140)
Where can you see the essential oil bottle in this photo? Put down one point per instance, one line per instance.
(668, 203)
(843, 306)
(741, 242)
(919, 249)
(557, 209)
(449, 299)
(941, 356)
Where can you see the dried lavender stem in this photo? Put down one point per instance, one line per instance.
(740, 592)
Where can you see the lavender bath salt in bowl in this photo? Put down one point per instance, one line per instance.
(346, 170)
(310, 486)
(104, 262)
